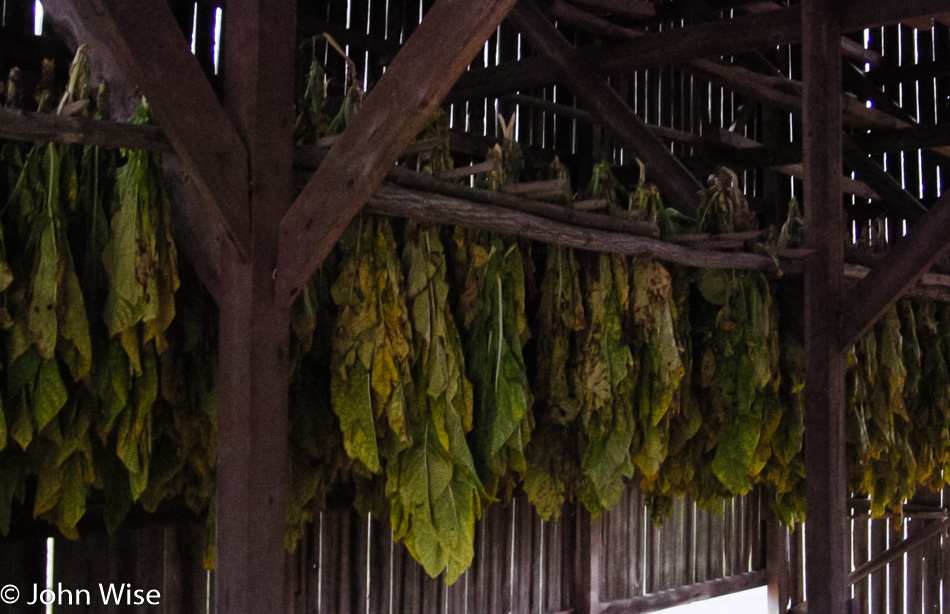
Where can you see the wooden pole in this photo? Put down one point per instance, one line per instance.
(253, 375)
(826, 538)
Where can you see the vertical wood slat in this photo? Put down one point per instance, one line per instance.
(702, 523)
(796, 559)
(896, 583)
(859, 555)
(879, 602)
(777, 565)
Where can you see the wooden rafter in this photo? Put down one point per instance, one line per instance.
(889, 190)
(681, 45)
(826, 540)
(144, 40)
(420, 76)
(904, 264)
(679, 187)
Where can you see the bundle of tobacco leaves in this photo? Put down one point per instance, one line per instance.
(433, 489)
(141, 263)
(489, 271)
(881, 462)
(491, 311)
(49, 349)
(185, 415)
(784, 471)
(370, 376)
(605, 367)
(739, 377)
(552, 455)
(508, 159)
(609, 377)
(724, 208)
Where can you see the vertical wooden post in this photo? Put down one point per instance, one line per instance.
(826, 539)
(254, 328)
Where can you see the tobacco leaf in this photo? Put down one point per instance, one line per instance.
(371, 341)
(492, 314)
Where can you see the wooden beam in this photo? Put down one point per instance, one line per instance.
(784, 93)
(587, 22)
(202, 246)
(826, 539)
(439, 50)
(438, 208)
(679, 187)
(44, 127)
(880, 180)
(898, 270)
(734, 141)
(932, 530)
(713, 39)
(144, 40)
(424, 182)
(254, 371)
(686, 594)
(636, 9)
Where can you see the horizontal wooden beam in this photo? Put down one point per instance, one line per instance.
(437, 208)
(420, 76)
(144, 40)
(421, 181)
(679, 187)
(45, 127)
(686, 594)
(897, 271)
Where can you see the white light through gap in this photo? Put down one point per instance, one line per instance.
(218, 19)
(38, 18)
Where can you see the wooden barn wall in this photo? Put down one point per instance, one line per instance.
(523, 564)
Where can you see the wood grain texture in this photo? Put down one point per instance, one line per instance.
(402, 202)
(254, 371)
(416, 82)
(827, 538)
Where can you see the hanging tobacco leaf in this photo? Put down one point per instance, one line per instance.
(491, 279)
(433, 490)
(553, 469)
(370, 375)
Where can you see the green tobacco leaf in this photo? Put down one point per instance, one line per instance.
(496, 332)
(49, 394)
(371, 342)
